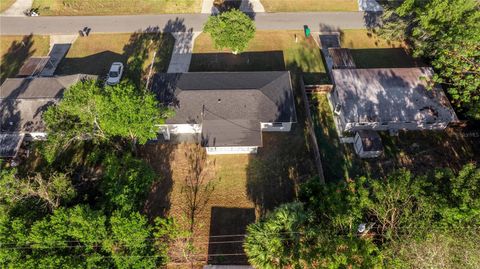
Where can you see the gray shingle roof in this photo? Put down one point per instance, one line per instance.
(390, 95)
(23, 101)
(256, 96)
(229, 105)
(222, 133)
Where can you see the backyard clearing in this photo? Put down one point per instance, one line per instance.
(114, 7)
(418, 151)
(5, 4)
(95, 53)
(245, 187)
(268, 51)
(372, 51)
(14, 50)
(309, 5)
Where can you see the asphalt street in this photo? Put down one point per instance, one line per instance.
(317, 21)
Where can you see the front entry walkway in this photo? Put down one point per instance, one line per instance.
(17, 8)
(182, 51)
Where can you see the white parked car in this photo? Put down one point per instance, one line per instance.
(115, 74)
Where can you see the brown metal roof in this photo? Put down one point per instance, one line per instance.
(341, 58)
(33, 66)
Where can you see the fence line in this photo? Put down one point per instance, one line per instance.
(311, 132)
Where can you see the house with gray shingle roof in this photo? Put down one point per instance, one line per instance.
(384, 99)
(227, 110)
(22, 103)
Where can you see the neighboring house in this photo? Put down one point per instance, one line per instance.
(388, 99)
(228, 111)
(22, 103)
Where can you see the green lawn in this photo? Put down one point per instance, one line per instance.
(338, 160)
(309, 5)
(14, 50)
(94, 54)
(5, 4)
(269, 50)
(372, 51)
(114, 7)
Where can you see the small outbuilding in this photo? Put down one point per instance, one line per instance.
(368, 144)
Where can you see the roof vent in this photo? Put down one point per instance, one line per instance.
(219, 100)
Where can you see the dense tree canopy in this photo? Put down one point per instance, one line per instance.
(61, 220)
(399, 212)
(126, 182)
(447, 33)
(88, 111)
(232, 29)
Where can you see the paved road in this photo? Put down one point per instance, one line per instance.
(317, 21)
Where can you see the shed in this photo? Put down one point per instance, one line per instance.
(368, 144)
(341, 58)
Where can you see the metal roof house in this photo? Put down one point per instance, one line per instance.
(227, 110)
(388, 99)
(22, 103)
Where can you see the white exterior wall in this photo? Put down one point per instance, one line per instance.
(377, 126)
(357, 144)
(36, 136)
(184, 128)
(268, 127)
(231, 150)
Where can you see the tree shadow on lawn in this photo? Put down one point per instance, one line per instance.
(136, 57)
(160, 157)
(275, 172)
(246, 61)
(227, 228)
(384, 58)
(14, 58)
(141, 47)
(95, 64)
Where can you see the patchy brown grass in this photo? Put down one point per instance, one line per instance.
(5, 4)
(114, 7)
(15, 50)
(309, 5)
(94, 54)
(229, 180)
(245, 187)
(370, 50)
(267, 51)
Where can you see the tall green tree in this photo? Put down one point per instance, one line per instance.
(232, 29)
(88, 111)
(287, 238)
(50, 191)
(430, 214)
(447, 33)
(126, 182)
(80, 237)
